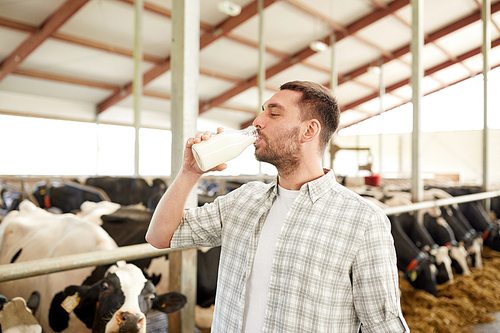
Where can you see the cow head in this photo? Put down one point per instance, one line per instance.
(117, 303)
(421, 275)
(16, 316)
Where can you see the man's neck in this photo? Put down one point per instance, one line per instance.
(298, 177)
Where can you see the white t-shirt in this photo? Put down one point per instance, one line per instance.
(258, 281)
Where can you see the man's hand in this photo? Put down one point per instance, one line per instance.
(189, 163)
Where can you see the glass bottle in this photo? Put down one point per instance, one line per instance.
(223, 147)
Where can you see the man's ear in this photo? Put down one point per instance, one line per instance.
(311, 131)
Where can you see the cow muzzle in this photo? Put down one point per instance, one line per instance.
(130, 322)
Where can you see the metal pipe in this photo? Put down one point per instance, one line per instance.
(57, 264)
(137, 82)
(261, 71)
(441, 202)
(486, 18)
(133, 252)
(381, 92)
(417, 47)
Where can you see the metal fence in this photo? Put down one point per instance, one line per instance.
(51, 265)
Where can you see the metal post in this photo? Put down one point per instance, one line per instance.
(334, 82)
(184, 114)
(381, 92)
(261, 71)
(417, 46)
(262, 51)
(137, 81)
(486, 18)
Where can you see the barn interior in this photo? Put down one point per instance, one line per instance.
(113, 88)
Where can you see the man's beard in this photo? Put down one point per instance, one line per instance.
(283, 153)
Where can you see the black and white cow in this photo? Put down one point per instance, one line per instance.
(119, 302)
(421, 237)
(463, 231)
(128, 226)
(33, 233)
(415, 264)
(130, 191)
(17, 316)
(64, 196)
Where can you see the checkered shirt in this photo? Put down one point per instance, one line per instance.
(334, 266)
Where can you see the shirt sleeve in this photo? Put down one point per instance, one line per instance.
(375, 279)
(199, 226)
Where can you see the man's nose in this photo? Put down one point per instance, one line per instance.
(257, 122)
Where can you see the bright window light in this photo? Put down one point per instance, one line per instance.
(456, 108)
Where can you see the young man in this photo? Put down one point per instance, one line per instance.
(302, 254)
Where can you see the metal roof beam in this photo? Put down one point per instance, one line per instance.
(48, 27)
(305, 53)
(476, 16)
(427, 72)
(221, 30)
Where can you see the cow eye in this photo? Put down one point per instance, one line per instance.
(151, 297)
(104, 285)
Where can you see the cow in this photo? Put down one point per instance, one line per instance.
(17, 316)
(421, 237)
(480, 220)
(128, 225)
(65, 196)
(439, 230)
(130, 191)
(119, 302)
(463, 231)
(477, 216)
(33, 233)
(414, 263)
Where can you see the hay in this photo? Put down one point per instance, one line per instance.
(469, 300)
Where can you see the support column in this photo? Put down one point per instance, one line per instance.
(261, 71)
(417, 46)
(184, 114)
(486, 18)
(334, 83)
(137, 81)
(381, 93)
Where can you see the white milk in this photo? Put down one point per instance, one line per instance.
(219, 149)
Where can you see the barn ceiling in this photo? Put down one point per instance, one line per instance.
(73, 59)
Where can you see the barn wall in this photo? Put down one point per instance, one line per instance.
(457, 152)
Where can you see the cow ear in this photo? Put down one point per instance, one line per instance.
(80, 300)
(58, 316)
(89, 297)
(169, 302)
(33, 301)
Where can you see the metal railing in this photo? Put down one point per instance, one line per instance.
(57, 264)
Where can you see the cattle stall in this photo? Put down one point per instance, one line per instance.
(52, 265)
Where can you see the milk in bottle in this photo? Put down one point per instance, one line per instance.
(223, 147)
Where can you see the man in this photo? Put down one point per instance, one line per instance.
(302, 254)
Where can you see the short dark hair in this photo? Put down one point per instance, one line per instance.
(319, 103)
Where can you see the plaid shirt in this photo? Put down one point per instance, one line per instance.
(334, 266)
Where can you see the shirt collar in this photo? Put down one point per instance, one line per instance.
(315, 188)
(319, 187)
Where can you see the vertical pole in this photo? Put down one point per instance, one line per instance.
(486, 18)
(262, 51)
(417, 46)
(261, 71)
(137, 81)
(334, 82)
(184, 114)
(381, 92)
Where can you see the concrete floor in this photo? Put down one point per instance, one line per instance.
(493, 327)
